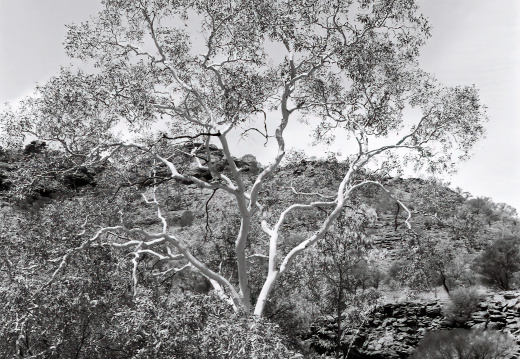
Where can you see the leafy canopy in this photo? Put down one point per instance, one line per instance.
(175, 80)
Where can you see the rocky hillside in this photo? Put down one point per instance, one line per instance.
(434, 214)
(436, 210)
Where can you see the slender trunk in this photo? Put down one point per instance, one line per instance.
(245, 226)
(338, 314)
(264, 293)
(444, 284)
(240, 246)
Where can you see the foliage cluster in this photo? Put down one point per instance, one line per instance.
(464, 344)
(462, 304)
(92, 310)
(449, 233)
(498, 263)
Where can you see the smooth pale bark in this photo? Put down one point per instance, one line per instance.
(286, 264)
(245, 226)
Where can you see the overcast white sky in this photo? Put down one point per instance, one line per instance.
(473, 42)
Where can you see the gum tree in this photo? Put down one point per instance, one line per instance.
(167, 72)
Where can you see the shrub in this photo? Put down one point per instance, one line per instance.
(195, 326)
(395, 271)
(464, 344)
(187, 219)
(498, 263)
(463, 303)
(73, 322)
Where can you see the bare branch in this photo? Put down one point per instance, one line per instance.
(309, 193)
(409, 213)
(173, 170)
(174, 270)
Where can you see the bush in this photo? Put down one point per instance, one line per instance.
(395, 271)
(195, 326)
(73, 322)
(187, 219)
(498, 263)
(464, 344)
(463, 303)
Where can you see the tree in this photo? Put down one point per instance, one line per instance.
(349, 69)
(342, 282)
(499, 262)
(437, 262)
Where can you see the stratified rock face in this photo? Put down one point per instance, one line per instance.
(499, 312)
(394, 330)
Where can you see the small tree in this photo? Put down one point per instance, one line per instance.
(499, 262)
(182, 79)
(463, 303)
(439, 262)
(341, 279)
